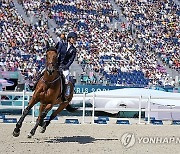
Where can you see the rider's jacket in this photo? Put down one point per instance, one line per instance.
(66, 54)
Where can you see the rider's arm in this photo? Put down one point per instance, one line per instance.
(57, 45)
(72, 58)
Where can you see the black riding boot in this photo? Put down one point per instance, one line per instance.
(37, 80)
(63, 89)
(65, 93)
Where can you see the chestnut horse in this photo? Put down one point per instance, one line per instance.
(48, 92)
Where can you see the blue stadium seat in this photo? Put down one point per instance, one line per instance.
(178, 12)
(119, 81)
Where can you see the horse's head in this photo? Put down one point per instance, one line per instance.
(51, 60)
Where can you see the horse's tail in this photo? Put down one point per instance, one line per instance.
(70, 108)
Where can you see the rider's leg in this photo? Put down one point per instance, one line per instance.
(66, 89)
(38, 77)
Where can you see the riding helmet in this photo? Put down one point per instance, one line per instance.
(72, 35)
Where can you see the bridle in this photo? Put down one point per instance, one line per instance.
(51, 67)
(56, 79)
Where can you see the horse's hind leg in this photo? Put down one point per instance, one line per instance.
(16, 131)
(53, 115)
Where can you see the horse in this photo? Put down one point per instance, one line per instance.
(48, 92)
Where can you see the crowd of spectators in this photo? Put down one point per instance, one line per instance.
(108, 53)
(36, 9)
(158, 27)
(22, 46)
(87, 18)
(105, 50)
(81, 11)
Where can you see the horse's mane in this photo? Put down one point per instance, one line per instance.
(51, 48)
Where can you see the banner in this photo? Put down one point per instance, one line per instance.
(79, 89)
(10, 75)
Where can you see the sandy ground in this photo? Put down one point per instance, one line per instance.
(91, 138)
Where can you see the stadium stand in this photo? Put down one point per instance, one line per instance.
(158, 27)
(22, 46)
(108, 54)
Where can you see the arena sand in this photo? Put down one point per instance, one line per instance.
(91, 138)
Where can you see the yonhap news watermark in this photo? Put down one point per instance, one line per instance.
(129, 139)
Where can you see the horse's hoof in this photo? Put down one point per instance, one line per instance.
(42, 129)
(29, 135)
(16, 133)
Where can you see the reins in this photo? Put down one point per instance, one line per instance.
(51, 82)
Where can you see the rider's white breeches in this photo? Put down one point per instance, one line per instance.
(66, 75)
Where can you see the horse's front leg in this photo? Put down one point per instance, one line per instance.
(53, 115)
(16, 131)
(41, 109)
(32, 132)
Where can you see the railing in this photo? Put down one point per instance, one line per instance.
(93, 97)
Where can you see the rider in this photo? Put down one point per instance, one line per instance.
(67, 54)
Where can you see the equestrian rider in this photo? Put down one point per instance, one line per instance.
(67, 53)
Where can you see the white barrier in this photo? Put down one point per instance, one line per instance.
(139, 109)
(92, 96)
